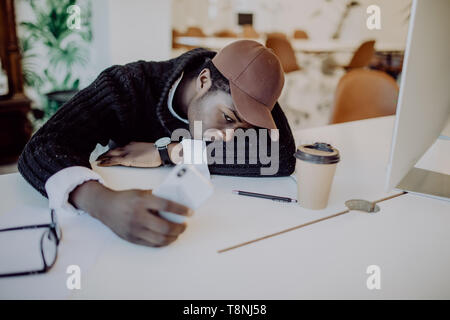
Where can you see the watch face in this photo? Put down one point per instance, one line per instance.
(163, 142)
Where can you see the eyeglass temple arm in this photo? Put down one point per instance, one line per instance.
(17, 274)
(35, 226)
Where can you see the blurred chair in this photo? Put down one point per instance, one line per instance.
(362, 56)
(361, 59)
(284, 51)
(249, 32)
(225, 34)
(194, 32)
(300, 34)
(276, 35)
(363, 94)
(175, 35)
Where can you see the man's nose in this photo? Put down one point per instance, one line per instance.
(228, 134)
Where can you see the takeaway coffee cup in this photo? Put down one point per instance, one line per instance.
(315, 168)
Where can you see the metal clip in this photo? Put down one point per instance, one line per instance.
(362, 205)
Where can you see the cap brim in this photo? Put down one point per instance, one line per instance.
(251, 110)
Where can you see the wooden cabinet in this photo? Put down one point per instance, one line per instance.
(15, 128)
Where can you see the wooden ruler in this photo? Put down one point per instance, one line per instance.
(302, 225)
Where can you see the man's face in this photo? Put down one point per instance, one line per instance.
(215, 109)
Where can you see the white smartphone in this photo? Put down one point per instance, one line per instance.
(184, 185)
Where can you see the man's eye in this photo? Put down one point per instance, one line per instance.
(227, 118)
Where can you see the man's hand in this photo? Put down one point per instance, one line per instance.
(136, 154)
(131, 214)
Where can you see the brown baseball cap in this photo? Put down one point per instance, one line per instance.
(256, 80)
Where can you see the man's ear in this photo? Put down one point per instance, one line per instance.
(203, 82)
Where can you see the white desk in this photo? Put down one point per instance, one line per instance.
(299, 45)
(408, 239)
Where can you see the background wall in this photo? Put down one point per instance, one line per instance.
(139, 29)
(127, 31)
(318, 17)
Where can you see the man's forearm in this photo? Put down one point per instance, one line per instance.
(86, 196)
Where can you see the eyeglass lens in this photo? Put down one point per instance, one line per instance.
(49, 248)
(57, 227)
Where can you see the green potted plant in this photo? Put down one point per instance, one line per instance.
(49, 38)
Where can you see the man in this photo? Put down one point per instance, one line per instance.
(139, 103)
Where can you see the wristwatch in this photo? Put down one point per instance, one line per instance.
(161, 144)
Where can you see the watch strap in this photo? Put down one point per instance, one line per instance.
(164, 154)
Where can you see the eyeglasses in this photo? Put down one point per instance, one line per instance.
(48, 245)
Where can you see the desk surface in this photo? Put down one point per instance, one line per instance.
(408, 239)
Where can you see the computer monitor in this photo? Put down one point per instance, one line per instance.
(423, 110)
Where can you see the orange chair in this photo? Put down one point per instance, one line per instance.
(175, 34)
(300, 34)
(249, 32)
(276, 35)
(363, 55)
(363, 94)
(225, 34)
(284, 51)
(194, 32)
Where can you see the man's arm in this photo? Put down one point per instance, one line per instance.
(67, 139)
(60, 150)
(244, 160)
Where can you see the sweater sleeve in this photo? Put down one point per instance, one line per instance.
(96, 114)
(281, 157)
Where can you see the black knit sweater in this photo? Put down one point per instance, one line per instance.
(126, 103)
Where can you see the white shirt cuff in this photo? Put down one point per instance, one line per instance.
(194, 152)
(63, 182)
